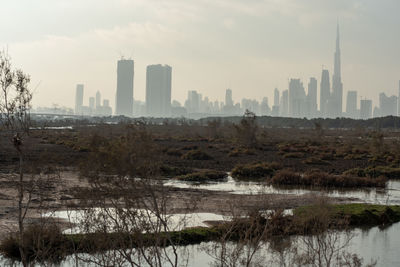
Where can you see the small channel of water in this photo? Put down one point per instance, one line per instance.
(390, 195)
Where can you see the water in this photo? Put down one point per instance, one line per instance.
(390, 195)
(382, 245)
(175, 222)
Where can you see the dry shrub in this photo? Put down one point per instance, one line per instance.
(42, 243)
(322, 179)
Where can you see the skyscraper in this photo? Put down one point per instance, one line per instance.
(325, 93)
(228, 98)
(312, 98)
(158, 90)
(91, 104)
(78, 99)
(387, 105)
(365, 109)
(276, 97)
(284, 105)
(351, 105)
(337, 85)
(275, 107)
(124, 95)
(398, 102)
(98, 99)
(297, 98)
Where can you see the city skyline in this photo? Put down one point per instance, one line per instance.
(295, 103)
(249, 48)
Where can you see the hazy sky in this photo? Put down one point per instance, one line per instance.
(251, 46)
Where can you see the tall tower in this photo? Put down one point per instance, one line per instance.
(398, 101)
(79, 99)
(337, 85)
(325, 93)
(228, 98)
(124, 96)
(158, 90)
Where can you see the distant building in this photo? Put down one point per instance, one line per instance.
(351, 105)
(79, 99)
(297, 99)
(398, 102)
(124, 95)
(284, 104)
(193, 102)
(275, 107)
(365, 109)
(312, 106)
(336, 101)
(264, 107)
(325, 93)
(98, 99)
(158, 90)
(387, 105)
(91, 104)
(228, 98)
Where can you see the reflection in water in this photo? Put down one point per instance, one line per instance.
(379, 244)
(390, 195)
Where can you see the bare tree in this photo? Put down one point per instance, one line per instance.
(125, 205)
(15, 100)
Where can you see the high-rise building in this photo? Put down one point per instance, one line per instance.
(276, 97)
(387, 105)
(297, 98)
(312, 107)
(124, 95)
(91, 104)
(365, 109)
(228, 98)
(351, 105)
(284, 104)
(398, 102)
(98, 99)
(325, 93)
(192, 103)
(78, 99)
(337, 85)
(158, 90)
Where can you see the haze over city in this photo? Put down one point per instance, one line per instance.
(251, 47)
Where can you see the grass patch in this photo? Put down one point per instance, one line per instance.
(386, 171)
(316, 161)
(169, 171)
(196, 155)
(322, 179)
(255, 171)
(359, 214)
(202, 176)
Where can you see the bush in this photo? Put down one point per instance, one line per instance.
(168, 171)
(42, 243)
(316, 161)
(201, 176)
(322, 179)
(374, 172)
(255, 170)
(294, 155)
(196, 155)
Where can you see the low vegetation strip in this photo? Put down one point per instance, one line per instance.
(386, 171)
(359, 215)
(52, 245)
(255, 171)
(322, 179)
(203, 176)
